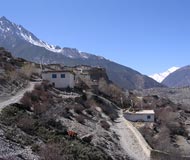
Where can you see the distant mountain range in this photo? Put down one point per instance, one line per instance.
(24, 44)
(179, 78)
(159, 77)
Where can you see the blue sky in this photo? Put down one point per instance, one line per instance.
(149, 36)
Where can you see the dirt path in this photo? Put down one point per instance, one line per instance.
(131, 140)
(133, 143)
(16, 98)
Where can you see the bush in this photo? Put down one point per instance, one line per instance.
(26, 124)
(27, 70)
(78, 109)
(51, 151)
(105, 125)
(112, 92)
(10, 115)
(84, 97)
(40, 108)
(90, 111)
(38, 100)
(55, 124)
(3, 81)
(26, 100)
(35, 148)
(80, 119)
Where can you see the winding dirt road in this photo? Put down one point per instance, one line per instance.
(16, 98)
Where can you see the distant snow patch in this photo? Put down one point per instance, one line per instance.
(159, 77)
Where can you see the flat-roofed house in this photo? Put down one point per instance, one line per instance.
(143, 115)
(59, 78)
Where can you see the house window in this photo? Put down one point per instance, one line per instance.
(62, 75)
(148, 117)
(54, 75)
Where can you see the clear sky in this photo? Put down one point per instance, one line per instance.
(149, 36)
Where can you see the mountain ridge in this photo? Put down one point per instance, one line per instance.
(25, 44)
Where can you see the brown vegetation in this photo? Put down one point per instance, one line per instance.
(80, 119)
(167, 126)
(105, 125)
(112, 92)
(38, 100)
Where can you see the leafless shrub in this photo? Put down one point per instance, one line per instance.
(80, 119)
(38, 87)
(38, 100)
(78, 109)
(3, 80)
(90, 111)
(26, 101)
(164, 143)
(51, 151)
(8, 67)
(105, 125)
(13, 76)
(26, 124)
(90, 103)
(166, 115)
(113, 92)
(39, 108)
(27, 70)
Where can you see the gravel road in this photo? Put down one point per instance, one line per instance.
(133, 143)
(5, 101)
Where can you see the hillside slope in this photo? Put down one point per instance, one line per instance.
(179, 78)
(13, 74)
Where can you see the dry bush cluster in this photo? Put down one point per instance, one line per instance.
(112, 92)
(167, 125)
(38, 100)
(25, 72)
(80, 119)
(105, 125)
(54, 141)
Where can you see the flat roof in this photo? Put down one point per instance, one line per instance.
(142, 112)
(145, 112)
(58, 71)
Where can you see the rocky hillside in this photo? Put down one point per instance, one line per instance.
(51, 124)
(14, 73)
(23, 43)
(179, 78)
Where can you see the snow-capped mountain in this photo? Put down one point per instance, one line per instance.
(25, 44)
(159, 77)
(9, 28)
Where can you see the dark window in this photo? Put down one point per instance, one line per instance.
(62, 75)
(54, 75)
(148, 117)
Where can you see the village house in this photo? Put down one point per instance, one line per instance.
(143, 116)
(59, 78)
(62, 76)
(82, 71)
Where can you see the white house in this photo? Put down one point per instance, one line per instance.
(143, 116)
(60, 78)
